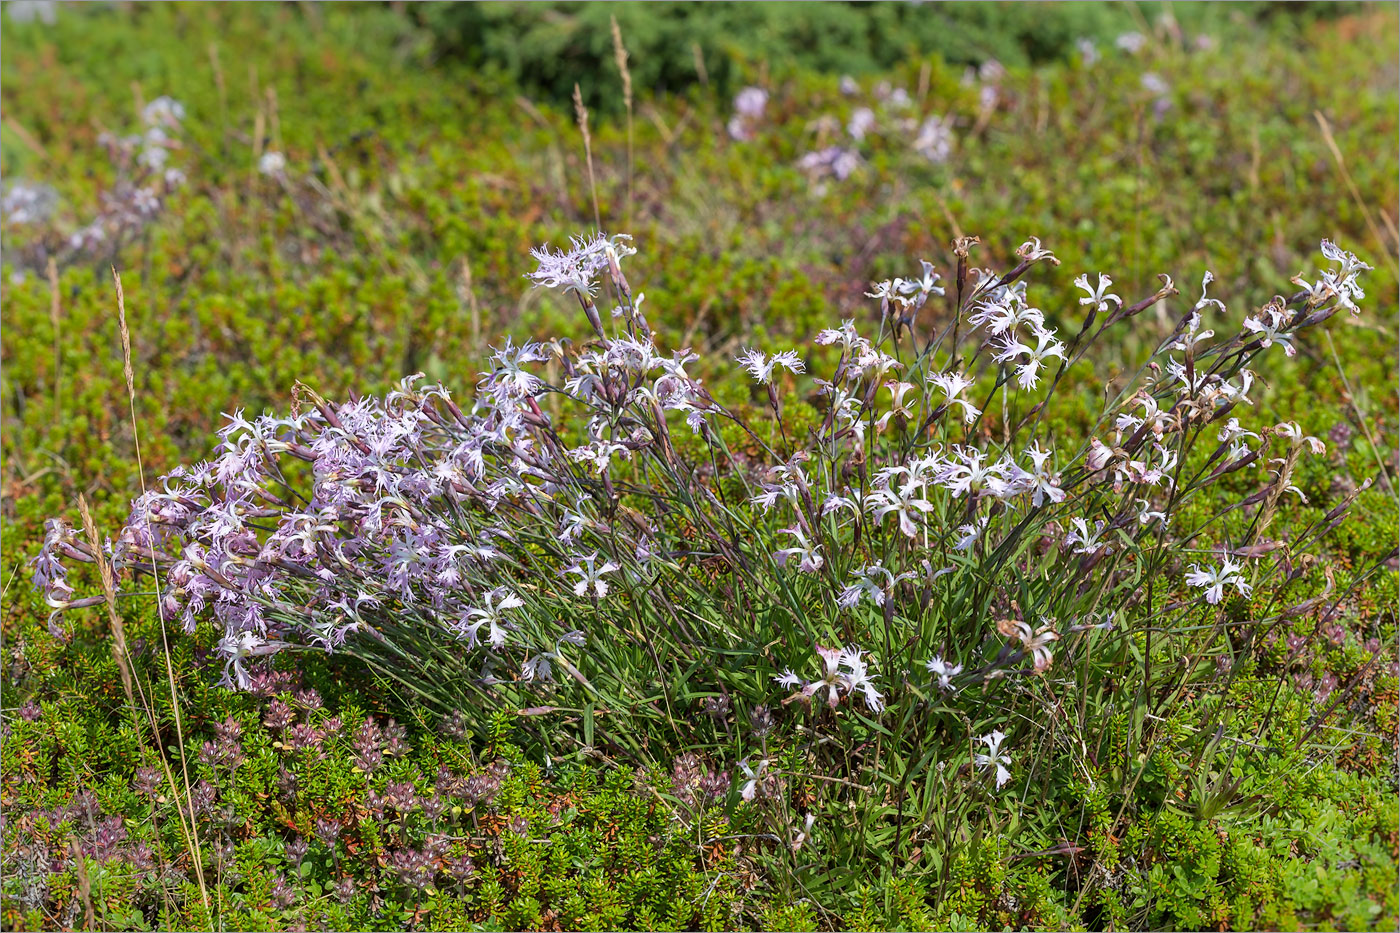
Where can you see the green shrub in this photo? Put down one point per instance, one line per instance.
(546, 49)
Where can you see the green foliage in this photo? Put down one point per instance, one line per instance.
(577, 849)
(351, 275)
(672, 46)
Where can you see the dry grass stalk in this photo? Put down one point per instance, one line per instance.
(191, 836)
(700, 71)
(109, 592)
(84, 885)
(581, 112)
(1327, 137)
(620, 56)
(132, 686)
(1269, 509)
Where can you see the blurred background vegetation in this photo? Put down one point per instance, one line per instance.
(546, 49)
(427, 147)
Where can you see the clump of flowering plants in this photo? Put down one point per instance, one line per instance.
(144, 181)
(924, 590)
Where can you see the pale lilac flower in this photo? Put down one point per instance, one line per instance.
(787, 679)
(1192, 385)
(1154, 84)
(969, 474)
(1269, 326)
(509, 374)
(272, 164)
(754, 775)
(807, 554)
(1032, 251)
(1082, 539)
(1147, 515)
(1206, 300)
(163, 111)
(904, 503)
(599, 454)
(944, 671)
(1002, 317)
(237, 646)
(1131, 42)
(887, 290)
(761, 367)
(1149, 472)
(845, 335)
(969, 534)
(1229, 392)
(898, 407)
(801, 838)
(859, 678)
(925, 285)
(26, 203)
(50, 575)
(1296, 438)
(836, 161)
(791, 486)
(994, 757)
(576, 270)
(831, 680)
(1320, 291)
(591, 576)
(1234, 435)
(1028, 369)
(835, 503)
(491, 615)
(952, 385)
(537, 669)
(862, 122)
(154, 158)
(897, 99)
(875, 364)
(1152, 416)
(145, 202)
(935, 139)
(1099, 297)
(1192, 335)
(750, 102)
(1042, 481)
(1216, 579)
(1346, 292)
(872, 582)
(1341, 282)
(1350, 265)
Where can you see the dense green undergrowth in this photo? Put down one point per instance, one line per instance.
(394, 242)
(573, 844)
(676, 45)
